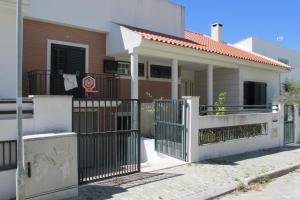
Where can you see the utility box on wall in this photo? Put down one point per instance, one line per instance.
(51, 166)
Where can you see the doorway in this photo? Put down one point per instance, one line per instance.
(66, 59)
(289, 125)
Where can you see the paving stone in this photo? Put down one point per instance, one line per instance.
(192, 181)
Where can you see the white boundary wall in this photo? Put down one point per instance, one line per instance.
(52, 114)
(195, 122)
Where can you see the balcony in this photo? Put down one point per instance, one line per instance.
(43, 82)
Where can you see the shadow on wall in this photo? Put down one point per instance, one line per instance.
(147, 120)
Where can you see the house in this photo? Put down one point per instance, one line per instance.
(171, 61)
(136, 54)
(275, 51)
(101, 43)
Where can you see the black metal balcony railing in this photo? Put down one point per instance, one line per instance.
(43, 82)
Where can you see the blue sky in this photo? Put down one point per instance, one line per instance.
(266, 19)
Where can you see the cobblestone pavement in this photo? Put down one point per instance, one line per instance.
(282, 188)
(191, 181)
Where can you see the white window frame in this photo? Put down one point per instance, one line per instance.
(127, 66)
(123, 76)
(50, 42)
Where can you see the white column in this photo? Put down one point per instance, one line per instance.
(174, 79)
(134, 75)
(210, 82)
(134, 69)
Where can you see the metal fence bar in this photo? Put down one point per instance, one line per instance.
(8, 156)
(170, 128)
(107, 146)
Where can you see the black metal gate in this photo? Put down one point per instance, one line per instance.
(289, 125)
(170, 128)
(108, 138)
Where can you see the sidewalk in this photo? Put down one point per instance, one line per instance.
(193, 181)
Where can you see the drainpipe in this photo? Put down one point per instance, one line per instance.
(20, 174)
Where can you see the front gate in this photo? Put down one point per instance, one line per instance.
(108, 138)
(170, 128)
(289, 125)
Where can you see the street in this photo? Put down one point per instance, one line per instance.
(285, 187)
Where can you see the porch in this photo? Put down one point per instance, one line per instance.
(197, 65)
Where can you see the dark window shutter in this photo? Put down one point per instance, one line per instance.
(255, 93)
(158, 71)
(141, 69)
(110, 66)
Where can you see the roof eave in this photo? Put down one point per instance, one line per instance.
(202, 57)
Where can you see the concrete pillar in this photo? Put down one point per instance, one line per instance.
(174, 79)
(192, 115)
(134, 75)
(210, 82)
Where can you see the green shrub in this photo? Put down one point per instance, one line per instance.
(220, 104)
(292, 86)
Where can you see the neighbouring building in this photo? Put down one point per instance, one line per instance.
(275, 51)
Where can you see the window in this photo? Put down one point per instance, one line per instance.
(141, 69)
(8, 155)
(122, 68)
(283, 60)
(255, 93)
(110, 66)
(158, 71)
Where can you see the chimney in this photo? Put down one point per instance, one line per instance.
(217, 32)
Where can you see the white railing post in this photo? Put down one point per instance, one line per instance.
(281, 123)
(192, 116)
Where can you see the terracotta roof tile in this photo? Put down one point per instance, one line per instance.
(201, 42)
